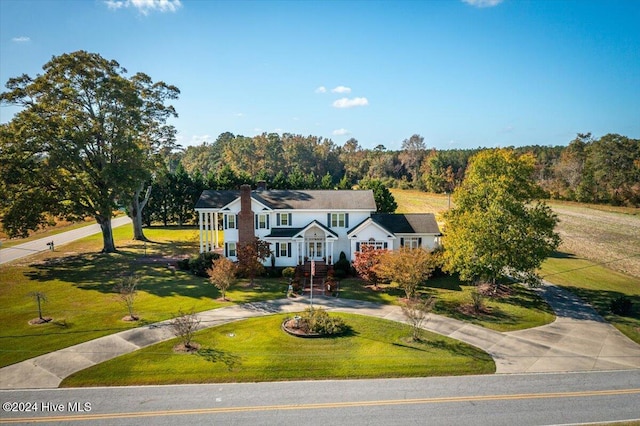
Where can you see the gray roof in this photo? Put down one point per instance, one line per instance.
(294, 199)
(210, 199)
(409, 223)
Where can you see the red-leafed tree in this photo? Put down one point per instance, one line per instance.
(251, 256)
(365, 262)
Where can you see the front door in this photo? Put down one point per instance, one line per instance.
(315, 249)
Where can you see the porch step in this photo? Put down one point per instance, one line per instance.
(321, 269)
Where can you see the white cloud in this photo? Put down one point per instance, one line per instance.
(341, 132)
(145, 6)
(200, 139)
(321, 89)
(483, 3)
(349, 103)
(238, 114)
(341, 89)
(21, 39)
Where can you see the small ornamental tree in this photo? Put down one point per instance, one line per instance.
(415, 311)
(127, 293)
(251, 257)
(184, 326)
(408, 268)
(365, 263)
(222, 274)
(40, 297)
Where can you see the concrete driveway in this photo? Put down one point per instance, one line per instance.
(579, 340)
(36, 246)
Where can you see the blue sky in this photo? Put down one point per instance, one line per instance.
(462, 74)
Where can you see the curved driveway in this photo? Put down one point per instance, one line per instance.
(579, 340)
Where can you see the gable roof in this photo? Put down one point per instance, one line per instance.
(408, 223)
(210, 199)
(294, 199)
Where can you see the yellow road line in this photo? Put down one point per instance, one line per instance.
(350, 404)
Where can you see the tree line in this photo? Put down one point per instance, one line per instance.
(90, 139)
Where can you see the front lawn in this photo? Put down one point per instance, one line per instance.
(78, 283)
(520, 309)
(256, 350)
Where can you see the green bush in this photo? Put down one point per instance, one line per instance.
(289, 272)
(316, 320)
(199, 264)
(342, 265)
(621, 306)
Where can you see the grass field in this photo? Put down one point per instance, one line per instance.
(599, 258)
(258, 350)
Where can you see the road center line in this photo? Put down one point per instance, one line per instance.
(326, 405)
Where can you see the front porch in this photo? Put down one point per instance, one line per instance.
(319, 279)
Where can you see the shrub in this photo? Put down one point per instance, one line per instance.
(183, 264)
(342, 265)
(289, 272)
(199, 264)
(316, 320)
(621, 306)
(477, 300)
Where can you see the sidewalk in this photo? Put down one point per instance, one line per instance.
(36, 246)
(579, 340)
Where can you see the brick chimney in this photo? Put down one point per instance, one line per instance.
(246, 232)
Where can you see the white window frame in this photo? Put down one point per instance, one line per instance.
(232, 249)
(377, 245)
(263, 222)
(338, 220)
(231, 221)
(411, 242)
(284, 250)
(283, 219)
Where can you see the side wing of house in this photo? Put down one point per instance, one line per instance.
(393, 231)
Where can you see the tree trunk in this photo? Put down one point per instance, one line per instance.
(109, 246)
(135, 212)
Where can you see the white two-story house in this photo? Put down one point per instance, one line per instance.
(303, 225)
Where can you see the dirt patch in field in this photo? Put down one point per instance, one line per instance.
(608, 238)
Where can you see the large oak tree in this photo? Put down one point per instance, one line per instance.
(499, 227)
(82, 143)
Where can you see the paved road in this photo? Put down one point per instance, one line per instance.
(530, 399)
(32, 247)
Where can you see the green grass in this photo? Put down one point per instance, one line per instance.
(257, 350)
(599, 286)
(522, 309)
(78, 283)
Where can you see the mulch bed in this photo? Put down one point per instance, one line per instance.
(192, 348)
(38, 321)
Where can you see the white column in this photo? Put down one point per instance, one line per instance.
(211, 227)
(206, 231)
(215, 229)
(200, 225)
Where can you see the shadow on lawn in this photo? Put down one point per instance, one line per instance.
(216, 355)
(100, 272)
(601, 300)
